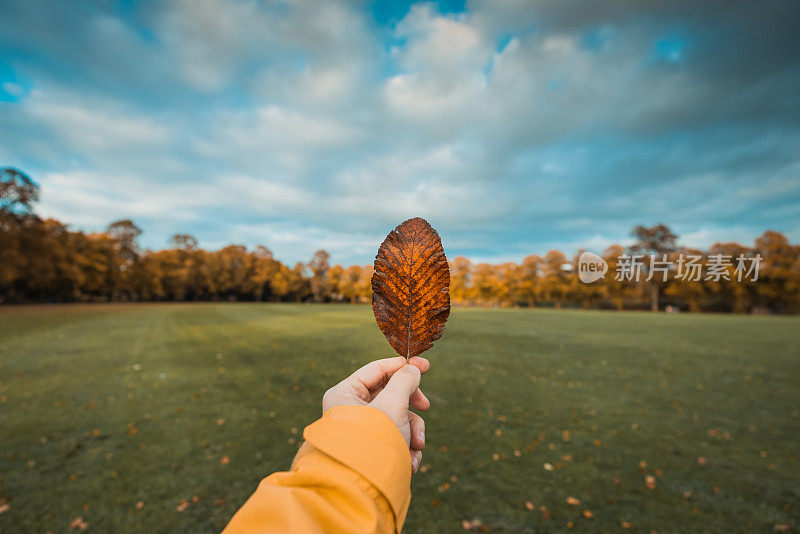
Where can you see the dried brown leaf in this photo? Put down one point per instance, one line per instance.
(411, 287)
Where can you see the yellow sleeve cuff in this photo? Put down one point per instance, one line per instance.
(365, 439)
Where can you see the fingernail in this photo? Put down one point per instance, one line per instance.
(414, 463)
(422, 436)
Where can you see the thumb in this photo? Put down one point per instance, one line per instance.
(401, 386)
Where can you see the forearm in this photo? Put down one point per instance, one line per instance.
(352, 475)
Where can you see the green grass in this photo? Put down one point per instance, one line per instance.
(83, 433)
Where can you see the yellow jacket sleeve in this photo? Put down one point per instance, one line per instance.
(352, 474)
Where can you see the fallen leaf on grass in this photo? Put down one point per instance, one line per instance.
(139, 505)
(650, 482)
(587, 514)
(78, 524)
(73, 451)
(572, 501)
(4, 508)
(701, 460)
(475, 524)
(225, 460)
(627, 524)
(530, 506)
(184, 504)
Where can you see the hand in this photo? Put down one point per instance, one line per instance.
(391, 386)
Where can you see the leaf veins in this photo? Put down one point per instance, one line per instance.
(411, 287)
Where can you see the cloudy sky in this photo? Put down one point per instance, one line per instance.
(513, 126)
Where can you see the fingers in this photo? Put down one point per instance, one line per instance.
(420, 363)
(419, 401)
(378, 372)
(365, 383)
(417, 425)
(400, 387)
(416, 459)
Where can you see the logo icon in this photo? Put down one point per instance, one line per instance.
(591, 267)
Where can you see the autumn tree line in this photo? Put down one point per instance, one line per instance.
(42, 260)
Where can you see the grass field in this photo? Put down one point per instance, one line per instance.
(103, 407)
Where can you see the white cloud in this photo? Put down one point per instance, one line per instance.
(211, 38)
(94, 200)
(706, 236)
(443, 62)
(89, 127)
